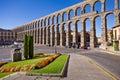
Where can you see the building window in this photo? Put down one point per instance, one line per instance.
(119, 34)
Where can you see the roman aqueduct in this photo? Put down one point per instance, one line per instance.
(54, 29)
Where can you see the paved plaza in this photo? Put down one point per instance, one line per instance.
(79, 69)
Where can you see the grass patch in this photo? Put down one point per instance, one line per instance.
(5, 74)
(55, 67)
(23, 62)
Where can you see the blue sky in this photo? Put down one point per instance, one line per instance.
(17, 12)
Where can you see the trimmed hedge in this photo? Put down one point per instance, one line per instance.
(25, 46)
(115, 45)
(30, 45)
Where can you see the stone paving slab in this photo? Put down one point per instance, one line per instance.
(79, 69)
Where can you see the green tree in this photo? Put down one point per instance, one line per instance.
(25, 47)
(111, 35)
(115, 45)
(30, 45)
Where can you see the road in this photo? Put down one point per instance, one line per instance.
(108, 61)
(5, 53)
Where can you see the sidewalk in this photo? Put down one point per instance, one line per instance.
(117, 53)
(80, 68)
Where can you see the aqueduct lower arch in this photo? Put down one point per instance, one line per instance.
(49, 30)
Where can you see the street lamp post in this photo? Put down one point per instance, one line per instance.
(55, 46)
(55, 49)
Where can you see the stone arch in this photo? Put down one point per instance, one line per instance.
(36, 24)
(32, 25)
(54, 20)
(109, 5)
(35, 36)
(50, 20)
(57, 35)
(59, 18)
(42, 23)
(63, 34)
(78, 25)
(64, 16)
(87, 31)
(28, 27)
(45, 35)
(71, 32)
(71, 14)
(78, 11)
(38, 35)
(52, 33)
(71, 25)
(119, 17)
(87, 8)
(41, 36)
(98, 6)
(87, 23)
(55, 28)
(98, 31)
(119, 4)
(110, 22)
(111, 17)
(46, 21)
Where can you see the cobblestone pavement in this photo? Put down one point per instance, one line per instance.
(79, 67)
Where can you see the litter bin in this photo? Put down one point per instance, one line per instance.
(116, 45)
(16, 55)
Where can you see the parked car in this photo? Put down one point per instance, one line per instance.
(14, 46)
(17, 44)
